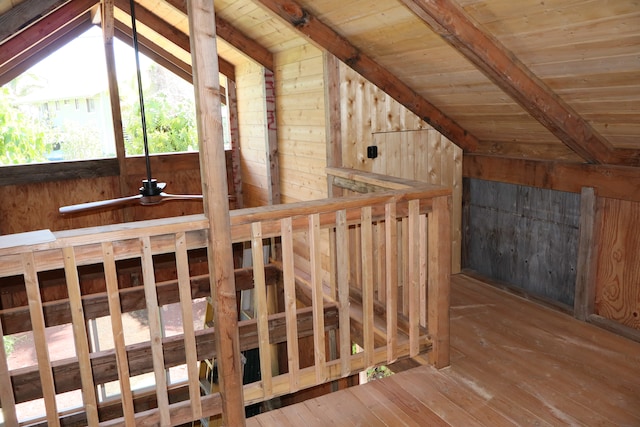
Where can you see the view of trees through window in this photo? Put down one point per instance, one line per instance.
(59, 109)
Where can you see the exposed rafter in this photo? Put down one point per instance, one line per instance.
(172, 34)
(44, 47)
(24, 14)
(46, 28)
(500, 65)
(328, 39)
(235, 38)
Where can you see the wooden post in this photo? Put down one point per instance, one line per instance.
(216, 207)
(439, 253)
(585, 292)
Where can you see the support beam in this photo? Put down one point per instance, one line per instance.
(327, 39)
(585, 290)
(216, 207)
(24, 14)
(235, 38)
(500, 65)
(617, 182)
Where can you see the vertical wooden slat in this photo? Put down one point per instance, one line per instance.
(439, 253)
(271, 146)
(422, 278)
(80, 335)
(403, 264)
(186, 307)
(317, 298)
(585, 293)
(342, 274)
(39, 337)
(236, 170)
(290, 307)
(206, 85)
(7, 399)
(367, 286)
(333, 122)
(115, 313)
(391, 235)
(262, 311)
(414, 276)
(155, 331)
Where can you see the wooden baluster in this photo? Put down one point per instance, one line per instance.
(367, 285)
(439, 279)
(391, 260)
(290, 307)
(155, 331)
(262, 310)
(317, 299)
(186, 307)
(342, 275)
(80, 336)
(7, 398)
(39, 337)
(115, 313)
(423, 270)
(414, 277)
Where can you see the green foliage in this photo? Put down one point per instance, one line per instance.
(170, 118)
(378, 372)
(22, 137)
(9, 344)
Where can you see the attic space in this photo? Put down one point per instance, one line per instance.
(288, 212)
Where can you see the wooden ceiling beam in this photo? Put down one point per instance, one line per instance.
(334, 43)
(617, 182)
(44, 29)
(235, 38)
(24, 14)
(17, 65)
(500, 65)
(165, 58)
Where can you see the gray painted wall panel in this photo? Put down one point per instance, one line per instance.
(524, 236)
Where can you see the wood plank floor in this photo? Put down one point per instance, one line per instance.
(513, 363)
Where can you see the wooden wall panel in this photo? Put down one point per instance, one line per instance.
(618, 274)
(252, 126)
(524, 236)
(407, 146)
(300, 116)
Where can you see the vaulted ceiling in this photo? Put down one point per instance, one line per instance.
(536, 79)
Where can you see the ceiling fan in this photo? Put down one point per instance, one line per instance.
(152, 191)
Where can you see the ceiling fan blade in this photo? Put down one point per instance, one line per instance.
(165, 197)
(83, 207)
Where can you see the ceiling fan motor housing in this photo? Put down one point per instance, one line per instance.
(152, 187)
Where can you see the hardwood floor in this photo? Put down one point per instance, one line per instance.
(514, 362)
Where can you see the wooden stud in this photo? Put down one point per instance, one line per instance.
(423, 267)
(290, 307)
(216, 206)
(439, 252)
(585, 289)
(391, 259)
(186, 308)
(78, 323)
(7, 398)
(367, 285)
(342, 278)
(39, 336)
(317, 299)
(111, 279)
(155, 331)
(262, 311)
(413, 229)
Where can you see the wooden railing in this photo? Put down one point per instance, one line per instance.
(352, 270)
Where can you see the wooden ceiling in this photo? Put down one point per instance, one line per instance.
(534, 79)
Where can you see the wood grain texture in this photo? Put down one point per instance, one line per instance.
(618, 276)
(513, 363)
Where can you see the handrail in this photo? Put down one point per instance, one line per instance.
(358, 259)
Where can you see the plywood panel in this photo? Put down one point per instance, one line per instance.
(618, 275)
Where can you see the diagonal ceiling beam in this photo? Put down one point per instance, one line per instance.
(44, 29)
(235, 38)
(500, 65)
(24, 14)
(328, 39)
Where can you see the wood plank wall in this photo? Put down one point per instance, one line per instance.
(618, 271)
(407, 146)
(34, 206)
(252, 126)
